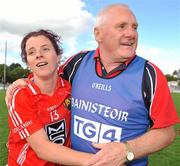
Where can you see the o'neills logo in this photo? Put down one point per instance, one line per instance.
(103, 87)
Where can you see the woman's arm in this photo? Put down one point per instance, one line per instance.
(53, 152)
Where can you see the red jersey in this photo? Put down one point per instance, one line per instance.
(29, 111)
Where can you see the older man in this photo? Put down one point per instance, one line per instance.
(118, 98)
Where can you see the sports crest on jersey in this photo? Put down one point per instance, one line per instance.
(67, 103)
(56, 131)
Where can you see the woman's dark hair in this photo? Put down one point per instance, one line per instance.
(54, 38)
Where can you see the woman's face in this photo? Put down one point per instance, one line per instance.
(42, 58)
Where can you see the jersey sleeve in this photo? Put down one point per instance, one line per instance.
(162, 110)
(23, 119)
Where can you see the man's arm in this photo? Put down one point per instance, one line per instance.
(18, 83)
(114, 154)
(153, 141)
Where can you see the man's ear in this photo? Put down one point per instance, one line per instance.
(97, 34)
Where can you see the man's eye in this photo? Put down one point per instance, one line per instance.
(121, 26)
(135, 27)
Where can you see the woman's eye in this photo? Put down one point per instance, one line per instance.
(30, 53)
(45, 49)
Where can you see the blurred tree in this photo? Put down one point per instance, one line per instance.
(176, 73)
(17, 72)
(14, 65)
(1, 72)
(170, 77)
(13, 72)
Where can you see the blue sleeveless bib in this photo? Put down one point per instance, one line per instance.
(107, 110)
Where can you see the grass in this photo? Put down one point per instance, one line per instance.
(3, 130)
(167, 157)
(171, 155)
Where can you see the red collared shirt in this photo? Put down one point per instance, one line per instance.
(101, 71)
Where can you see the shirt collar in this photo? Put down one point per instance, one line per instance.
(36, 90)
(97, 55)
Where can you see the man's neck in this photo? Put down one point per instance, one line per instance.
(109, 62)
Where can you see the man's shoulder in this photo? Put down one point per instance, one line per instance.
(150, 68)
(80, 55)
(153, 71)
(69, 68)
(84, 52)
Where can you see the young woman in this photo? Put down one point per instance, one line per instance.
(39, 116)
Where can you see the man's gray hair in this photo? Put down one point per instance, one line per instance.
(100, 18)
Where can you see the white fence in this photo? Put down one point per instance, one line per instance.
(174, 88)
(2, 86)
